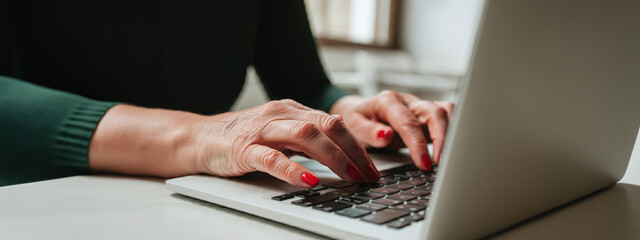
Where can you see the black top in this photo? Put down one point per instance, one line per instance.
(183, 55)
(187, 55)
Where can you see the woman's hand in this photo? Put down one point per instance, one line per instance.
(167, 143)
(374, 121)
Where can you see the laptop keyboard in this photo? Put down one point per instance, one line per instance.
(400, 197)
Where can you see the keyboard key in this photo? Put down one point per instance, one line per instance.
(318, 188)
(282, 197)
(386, 201)
(418, 202)
(315, 200)
(340, 193)
(415, 192)
(356, 189)
(426, 188)
(353, 212)
(299, 192)
(384, 216)
(414, 182)
(401, 169)
(399, 186)
(409, 207)
(370, 195)
(428, 178)
(400, 177)
(309, 194)
(412, 174)
(331, 206)
(386, 181)
(371, 206)
(384, 191)
(400, 223)
(338, 184)
(401, 197)
(370, 185)
(417, 173)
(415, 217)
(355, 199)
(427, 198)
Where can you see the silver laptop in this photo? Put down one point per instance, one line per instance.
(548, 113)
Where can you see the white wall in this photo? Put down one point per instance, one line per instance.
(439, 33)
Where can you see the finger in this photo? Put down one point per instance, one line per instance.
(335, 129)
(448, 106)
(274, 162)
(372, 133)
(302, 136)
(436, 119)
(389, 107)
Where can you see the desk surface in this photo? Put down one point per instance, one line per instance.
(121, 207)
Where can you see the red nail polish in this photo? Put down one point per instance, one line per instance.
(353, 173)
(383, 134)
(372, 174)
(310, 179)
(426, 162)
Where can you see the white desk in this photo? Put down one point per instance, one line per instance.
(120, 207)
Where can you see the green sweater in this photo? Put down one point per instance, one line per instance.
(67, 62)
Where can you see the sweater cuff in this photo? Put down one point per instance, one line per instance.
(71, 143)
(329, 96)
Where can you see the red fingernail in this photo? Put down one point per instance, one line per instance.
(310, 179)
(382, 134)
(372, 174)
(353, 173)
(426, 162)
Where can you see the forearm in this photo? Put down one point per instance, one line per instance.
(143, 141)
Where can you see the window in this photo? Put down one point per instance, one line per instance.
(354, 22)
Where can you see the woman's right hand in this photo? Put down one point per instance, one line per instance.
(167, 143)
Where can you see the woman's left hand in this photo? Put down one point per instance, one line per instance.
(374, 121)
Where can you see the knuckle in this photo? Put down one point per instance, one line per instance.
(336, 155)
(273, 107)
(269, 159)
(304, 130)
(388, 94)
(440, 112)
(289, 171)
(419, 105)
(331, 124)
(272, 104)
(288, 102)
(409, 122)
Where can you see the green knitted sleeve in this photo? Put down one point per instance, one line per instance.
(44, 133)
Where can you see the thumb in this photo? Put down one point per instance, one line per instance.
(371, 133)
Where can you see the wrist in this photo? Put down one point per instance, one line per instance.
(143, 141)
(346, 104)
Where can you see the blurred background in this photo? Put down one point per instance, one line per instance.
(417, 46)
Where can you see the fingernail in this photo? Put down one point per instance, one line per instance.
(310, 179)
(426, 162)
(372, 174)
(382, 134)
(338, 116)
(353, 173)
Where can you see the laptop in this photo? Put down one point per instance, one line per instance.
(548, 113)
